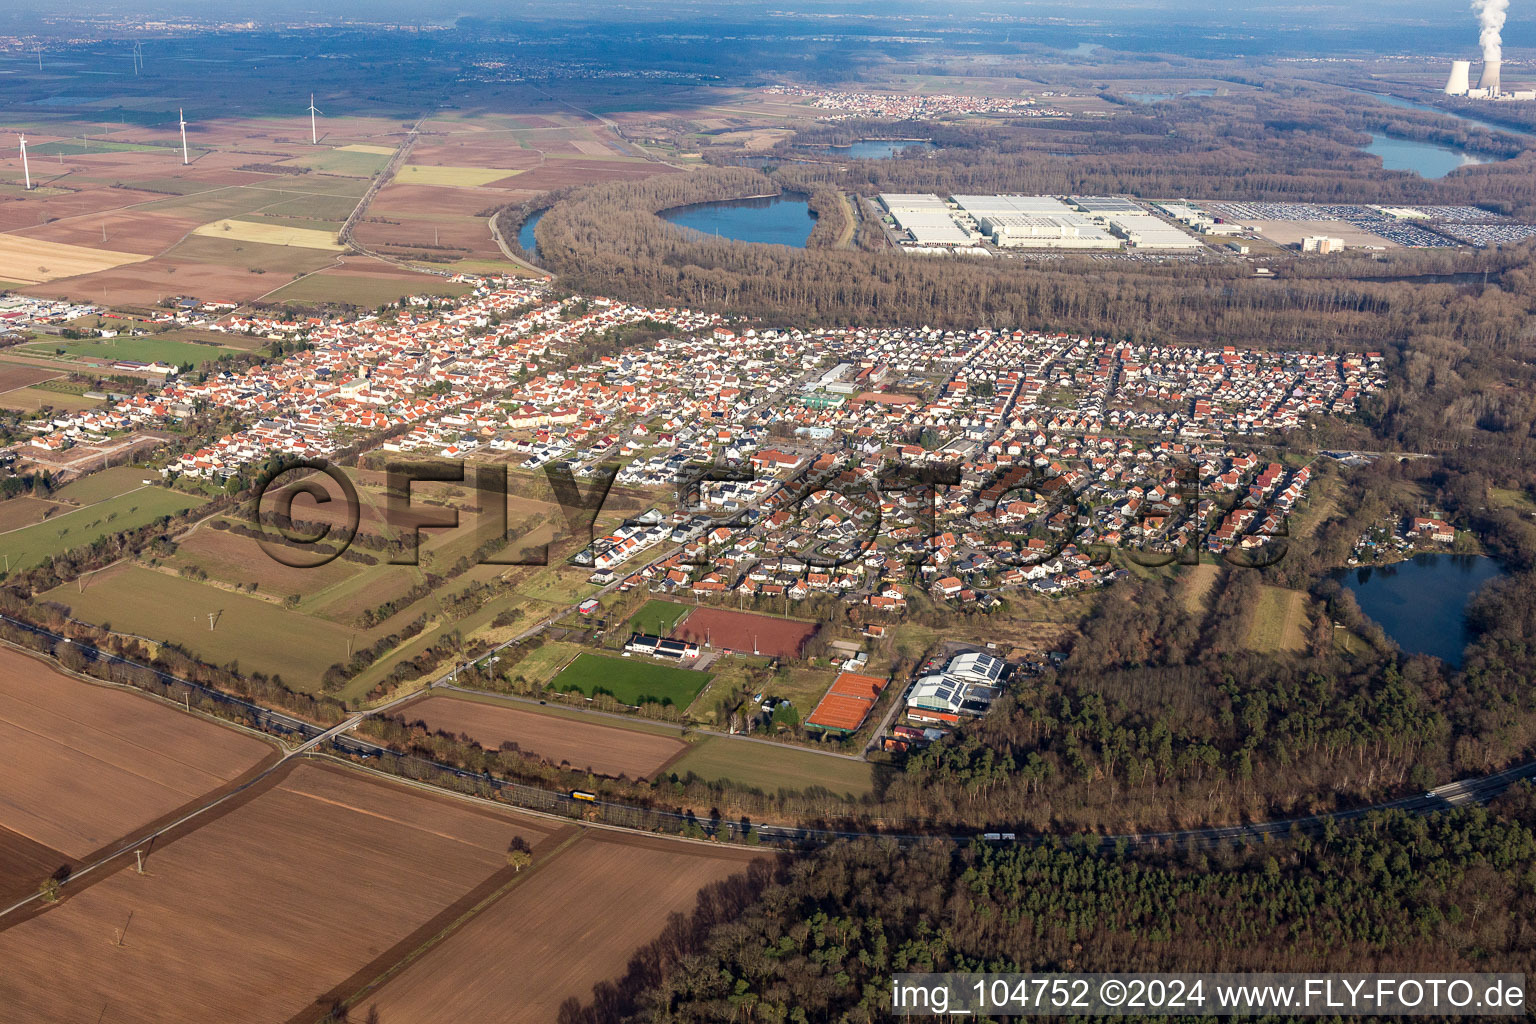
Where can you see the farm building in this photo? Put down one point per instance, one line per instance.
(847, 703)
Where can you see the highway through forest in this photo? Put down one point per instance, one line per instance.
(1478, 790)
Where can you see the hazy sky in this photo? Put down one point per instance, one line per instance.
(1253, 26)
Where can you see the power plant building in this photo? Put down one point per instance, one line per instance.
(1460, 82)
(1489, 80)
(1490, 85)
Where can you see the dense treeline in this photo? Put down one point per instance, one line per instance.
(1296, 146)
(140, 668)
(1160, 720)
(606, 241)
(1452, 892)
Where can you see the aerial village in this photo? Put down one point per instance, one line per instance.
(1028, 455)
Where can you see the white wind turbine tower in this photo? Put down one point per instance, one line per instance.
(314, 139)
(25, 170)
(182, 114)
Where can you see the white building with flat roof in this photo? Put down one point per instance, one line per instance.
(1045, 231)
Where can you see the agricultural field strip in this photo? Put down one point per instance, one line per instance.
(33, 384)
(155, 752)
(70, 260)
(83, 508)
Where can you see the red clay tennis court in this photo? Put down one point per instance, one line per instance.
(848, 701)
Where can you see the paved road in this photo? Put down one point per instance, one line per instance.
(506, 250)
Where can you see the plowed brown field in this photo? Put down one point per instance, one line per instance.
(604, 749)
(255, 915)
(572, 924)
(88, 764)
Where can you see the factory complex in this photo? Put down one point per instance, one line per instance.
(969, 224)
(1489, 84)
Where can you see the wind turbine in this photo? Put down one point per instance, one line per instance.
(27, 171)
(184, 158)
(138, 56)
(314, 139)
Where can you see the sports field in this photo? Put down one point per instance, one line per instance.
(631, 680)
(1279, 621)
(141, 350)
(31, 260)
(65, 531)
(271, 234)
(746, 632)
(772, 767)
(363, 290)
(657, 617)
(108, 483)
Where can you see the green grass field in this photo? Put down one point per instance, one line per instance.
(657, 617)
(77, 147)
(33, 399)
(772, 767)
(259, 635)
(108, 483)
(344, 162)
(143, 350)
(1505, 497)
(541, 664)
(631, 681)
(68, 530)
(1279, 621)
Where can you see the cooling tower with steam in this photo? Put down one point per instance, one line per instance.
(1490, 21)
(1461, 78)
(1490, 77)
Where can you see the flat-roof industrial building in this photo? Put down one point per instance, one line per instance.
(1029, 222)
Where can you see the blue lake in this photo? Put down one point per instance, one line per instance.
(1422, 603)
(879, 149)
(1425, 159)
(776, 220)
(525, 234)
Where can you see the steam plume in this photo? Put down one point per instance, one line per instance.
(1490, 15)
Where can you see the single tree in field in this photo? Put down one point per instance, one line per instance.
(519, 855)
(49, 890)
